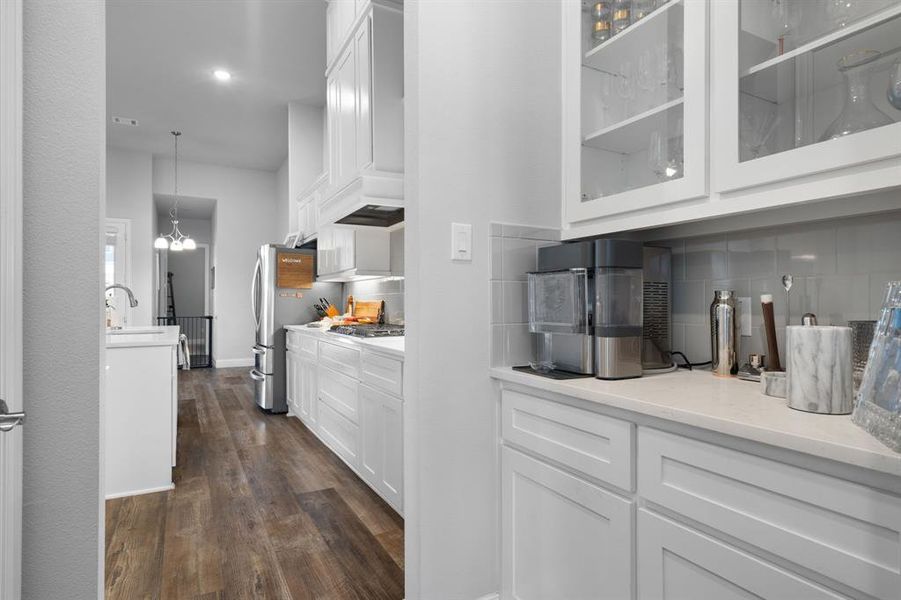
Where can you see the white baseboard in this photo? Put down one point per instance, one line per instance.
(164, 488)
(494, 596)
(228, 363)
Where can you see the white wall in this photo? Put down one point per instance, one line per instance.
(495, 68)
(245, 219)
(64, 144)
(286, 219)
(129, 195)
(305, 148)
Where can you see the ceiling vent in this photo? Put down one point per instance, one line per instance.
(125, 121)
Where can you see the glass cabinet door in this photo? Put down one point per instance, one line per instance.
(640, 124)
(818, 86)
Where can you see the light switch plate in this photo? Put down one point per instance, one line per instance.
(461, 241)
(744, 313)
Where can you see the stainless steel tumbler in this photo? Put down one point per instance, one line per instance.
(723, 334)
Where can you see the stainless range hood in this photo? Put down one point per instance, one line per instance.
(375, 215)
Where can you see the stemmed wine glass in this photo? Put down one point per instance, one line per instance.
(625, 87)
(757, 128)
(657, 154)
(645, 79)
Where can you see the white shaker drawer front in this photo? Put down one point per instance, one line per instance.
(340, 392)
(293, 340)
(339, 434)
(383, 373)
(845, 531)
(676, 562)
(309, 346)
(340, 358)
(562, 537)
(594, 444)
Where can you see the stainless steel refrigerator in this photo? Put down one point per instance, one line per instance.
(272, 309)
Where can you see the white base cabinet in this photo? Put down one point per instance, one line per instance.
(680, 563)
(715, 521)
(563, 537)
(351, 398)
(382, 448)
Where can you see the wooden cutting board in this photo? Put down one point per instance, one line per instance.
(367, 310)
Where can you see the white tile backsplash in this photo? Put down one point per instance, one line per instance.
(513, 253)
(840, 268)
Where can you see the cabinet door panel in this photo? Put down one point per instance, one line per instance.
(291, 380)
(599, 446)
(345, 73)
(562, 536)
(846, 531)
(363, 50)
(676, 563)
(339, 434)
(381, 455)
(340, 392)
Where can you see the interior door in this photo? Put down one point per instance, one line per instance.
(10, 298)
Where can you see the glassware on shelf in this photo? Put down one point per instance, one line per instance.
(675, 166)
(667, 71)
(757, 127)
(645, 80)
(625, 88)
(601, 11)
(642, 8)
(858, 113)
(842, 12)
(658, 155)
(787, 17)
(622, 15)
(894, 85)
(878, 408)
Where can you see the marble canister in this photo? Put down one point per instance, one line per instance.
(818, 369)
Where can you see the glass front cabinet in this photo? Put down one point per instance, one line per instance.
(805, 87)
(678, 110)
(635, 105)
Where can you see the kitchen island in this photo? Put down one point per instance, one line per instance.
(685, 481)
(141, 410)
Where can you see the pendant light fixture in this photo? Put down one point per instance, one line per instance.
(175, 241)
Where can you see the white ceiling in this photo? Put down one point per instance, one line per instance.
(160, 58)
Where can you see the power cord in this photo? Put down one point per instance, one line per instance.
(688, 364)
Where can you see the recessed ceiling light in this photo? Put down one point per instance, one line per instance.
(222, 75)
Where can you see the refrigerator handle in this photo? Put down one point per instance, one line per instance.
(254, 283)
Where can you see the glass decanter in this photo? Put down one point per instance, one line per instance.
(878, 408)
(858, 113)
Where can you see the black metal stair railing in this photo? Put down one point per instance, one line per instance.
(199, 331)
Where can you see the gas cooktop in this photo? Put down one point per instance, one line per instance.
(369, 330)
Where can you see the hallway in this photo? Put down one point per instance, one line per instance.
(261, 509)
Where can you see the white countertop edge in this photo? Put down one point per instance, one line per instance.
(860, 449)
(385, 345)
(143, 340)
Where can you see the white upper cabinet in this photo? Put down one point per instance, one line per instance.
(803, 88)
(352, 252)
(799, 101)
(364, 107)
(635, 105)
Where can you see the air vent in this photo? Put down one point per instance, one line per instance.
(125, 121)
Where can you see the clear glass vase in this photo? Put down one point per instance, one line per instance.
(858, 113)
(878, 407)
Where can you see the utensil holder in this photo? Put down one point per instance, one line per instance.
(818, 369)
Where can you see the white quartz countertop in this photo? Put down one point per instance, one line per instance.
(392, 346)
(728, 406)
(137, 337)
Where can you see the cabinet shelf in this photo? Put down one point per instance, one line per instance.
(774, 80)
(631, 135)
(845, 40)
(658, 25)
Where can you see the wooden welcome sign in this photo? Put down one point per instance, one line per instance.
(295, 270)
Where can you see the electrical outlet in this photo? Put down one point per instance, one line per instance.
(744, 313)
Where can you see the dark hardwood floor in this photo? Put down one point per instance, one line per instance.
(261, 509)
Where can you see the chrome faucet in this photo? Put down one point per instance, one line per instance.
(132, 301)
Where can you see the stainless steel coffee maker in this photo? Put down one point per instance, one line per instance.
(585, 302)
